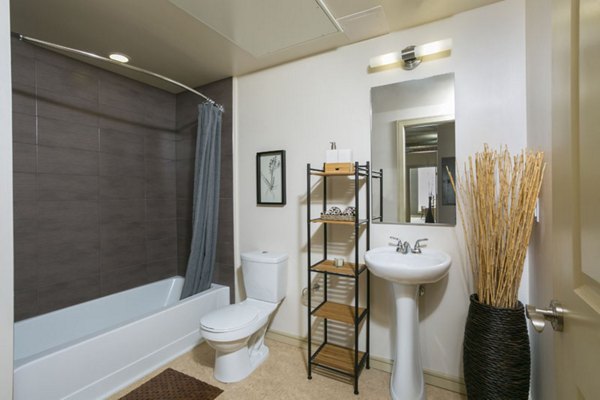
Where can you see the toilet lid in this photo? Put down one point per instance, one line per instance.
(229, 318)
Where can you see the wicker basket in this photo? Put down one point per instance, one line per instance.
(337, 217)
(496, 353)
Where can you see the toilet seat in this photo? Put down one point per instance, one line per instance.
(230, 318)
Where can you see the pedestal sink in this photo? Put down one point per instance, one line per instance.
(406, 272)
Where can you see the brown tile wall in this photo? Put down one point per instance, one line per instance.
(95, 169)
(187, 124)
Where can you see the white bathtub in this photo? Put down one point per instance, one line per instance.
(93, 349)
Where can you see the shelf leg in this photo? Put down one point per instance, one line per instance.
(308, 282)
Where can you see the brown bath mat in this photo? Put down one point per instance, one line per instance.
(173, 385)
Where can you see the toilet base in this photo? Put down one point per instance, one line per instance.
(237, 356)
(238, 365)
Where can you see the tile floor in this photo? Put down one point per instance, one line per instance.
(283, 376)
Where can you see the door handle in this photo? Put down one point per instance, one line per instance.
(538, 316)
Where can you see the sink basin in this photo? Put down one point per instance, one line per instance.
(406, 272)
(428, 267)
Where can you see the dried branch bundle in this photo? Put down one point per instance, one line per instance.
(496, 200)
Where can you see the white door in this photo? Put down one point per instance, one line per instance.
(576, 196)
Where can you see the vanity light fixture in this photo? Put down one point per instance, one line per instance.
(411, 56)
(120, 57)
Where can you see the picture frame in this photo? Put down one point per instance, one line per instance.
(270, 178)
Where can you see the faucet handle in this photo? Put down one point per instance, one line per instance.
(398, 241)
(417, 248)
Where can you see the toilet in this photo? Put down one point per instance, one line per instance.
(237, 332)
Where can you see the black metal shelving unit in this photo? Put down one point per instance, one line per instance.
(348, 362)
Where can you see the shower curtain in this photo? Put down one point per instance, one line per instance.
(201, 263)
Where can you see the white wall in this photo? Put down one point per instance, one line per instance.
(303, 105)
(6, 213)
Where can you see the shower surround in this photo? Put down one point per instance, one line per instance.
(96, 175)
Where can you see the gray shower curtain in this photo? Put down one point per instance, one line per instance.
(201, 263)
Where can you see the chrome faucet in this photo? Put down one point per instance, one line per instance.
(417, 248)
(404, 247)
(400, 246)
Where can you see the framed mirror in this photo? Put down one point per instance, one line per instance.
(412, 150)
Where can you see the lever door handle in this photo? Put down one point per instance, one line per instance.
(538, 316)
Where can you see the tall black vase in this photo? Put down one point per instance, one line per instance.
(496, 355)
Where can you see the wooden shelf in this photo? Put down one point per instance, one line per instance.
(337, 357)
(337, 312)
(320, 173)
(330, 221)
(346, 270)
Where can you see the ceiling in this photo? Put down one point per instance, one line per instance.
(201, 41)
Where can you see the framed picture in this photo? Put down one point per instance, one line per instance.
(270, 177)
(448, 195)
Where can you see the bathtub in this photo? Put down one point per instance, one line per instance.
(93, 349)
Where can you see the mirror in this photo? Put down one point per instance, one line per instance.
(412, 149)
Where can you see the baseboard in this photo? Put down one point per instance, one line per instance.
(447, 382)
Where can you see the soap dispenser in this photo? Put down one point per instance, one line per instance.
(331, 155)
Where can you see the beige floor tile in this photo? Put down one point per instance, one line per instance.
(283, 376)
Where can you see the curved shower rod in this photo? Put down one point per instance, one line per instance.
(43, 43)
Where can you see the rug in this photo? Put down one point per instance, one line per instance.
(173, 385)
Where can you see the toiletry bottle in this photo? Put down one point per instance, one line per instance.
(331, 155)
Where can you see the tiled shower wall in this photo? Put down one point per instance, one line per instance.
(94, 182)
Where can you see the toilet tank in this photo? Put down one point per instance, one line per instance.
(265, 275)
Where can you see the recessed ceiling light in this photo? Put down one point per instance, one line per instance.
(120, 57)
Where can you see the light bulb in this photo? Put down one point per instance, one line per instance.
(120, 57)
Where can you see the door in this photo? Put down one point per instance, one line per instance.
(576, 196)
